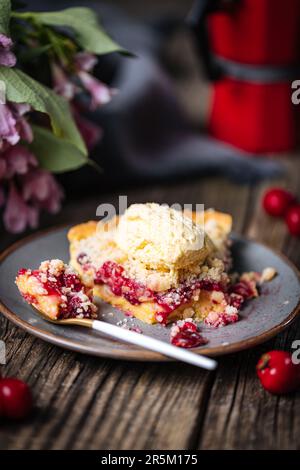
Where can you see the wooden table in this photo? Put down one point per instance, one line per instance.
(90, 403)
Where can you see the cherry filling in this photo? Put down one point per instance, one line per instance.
(75, 299)
(82, 258)
(22, 271)
(235, 300)
(220, 319)
(55, 284)
(245, 289)
(74, 308)
(113, 275)
(30, 299)
(185, 334)
(84, 261)
(240, 292)
(174, 298)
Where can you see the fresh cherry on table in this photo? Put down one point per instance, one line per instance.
(293, 219)
(277, 373)
(1, 405)
(276, 201)
(15, 398)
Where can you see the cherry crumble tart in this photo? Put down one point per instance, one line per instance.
(56, 290)
(161, 265)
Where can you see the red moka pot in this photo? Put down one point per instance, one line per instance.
(251, 50)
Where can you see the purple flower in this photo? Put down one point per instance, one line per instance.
(2, 196)
(85, 61)
(62, 83)
(26, 189)
(2, 168)
(7, 58)
(34, 191)
(13, 124)
(100, 93)
(23, 127)
(8, 130)
(41, 188)
(90, 132)
(21, 108)
(18, 214)
(18, 160)
(25, 130)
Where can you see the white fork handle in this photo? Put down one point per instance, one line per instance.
(154, 345)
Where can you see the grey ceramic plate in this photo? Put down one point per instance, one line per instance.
(261, 318)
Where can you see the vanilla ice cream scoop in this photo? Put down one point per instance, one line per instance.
(161, 237)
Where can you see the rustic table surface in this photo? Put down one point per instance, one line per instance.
(84, 402)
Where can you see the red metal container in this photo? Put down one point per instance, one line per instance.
(262, 32)
(256, 45)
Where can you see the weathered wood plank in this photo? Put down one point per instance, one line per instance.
(240, 414)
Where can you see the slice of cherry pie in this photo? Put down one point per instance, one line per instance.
(56, 290)
(161, 265)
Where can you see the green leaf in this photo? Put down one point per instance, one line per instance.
(89, 34)
(20, 88)
(55, 154)
(33, 53)
(5, 10)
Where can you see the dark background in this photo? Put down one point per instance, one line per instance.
(158, 30)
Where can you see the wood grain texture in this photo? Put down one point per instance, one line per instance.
(91, 403)
(245, 416)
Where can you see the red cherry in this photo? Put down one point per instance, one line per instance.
(188, 325)
(15, 398)
(293, 220)
(188, 339)
(1, 407)
(276, 201)
(187, 336)
(277, 373)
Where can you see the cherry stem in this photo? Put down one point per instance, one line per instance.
(264, 362)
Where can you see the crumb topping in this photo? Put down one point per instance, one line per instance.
(268, 274)
(54, 267)
(90, 253)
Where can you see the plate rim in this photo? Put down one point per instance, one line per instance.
(135, 353)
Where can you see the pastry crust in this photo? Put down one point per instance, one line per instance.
(30, 289)
(81, 231)
(223, 220)
(148, 311)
